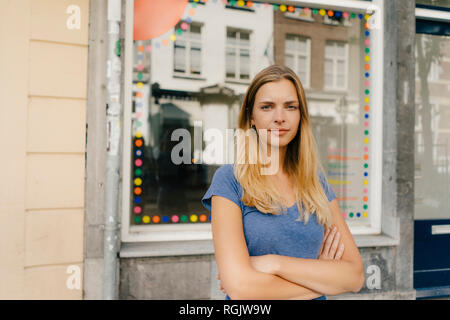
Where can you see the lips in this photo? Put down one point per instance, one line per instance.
(279, 132)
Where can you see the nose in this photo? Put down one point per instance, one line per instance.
(279, 115)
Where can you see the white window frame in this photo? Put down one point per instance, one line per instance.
(305, 82)
(187, 55)
(185, 232)
(335, 58)
(237, 47)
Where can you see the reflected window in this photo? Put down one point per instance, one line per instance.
(188, 49)
(298, 57)
(335, 65)
(237, 61)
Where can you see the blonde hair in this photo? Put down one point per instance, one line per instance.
(301, 160)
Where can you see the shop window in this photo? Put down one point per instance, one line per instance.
(170, 151)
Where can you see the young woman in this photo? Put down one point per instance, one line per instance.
(279, 235)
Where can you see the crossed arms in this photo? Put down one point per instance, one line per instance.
(337, 270)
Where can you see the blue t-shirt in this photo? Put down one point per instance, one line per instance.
(268, 233)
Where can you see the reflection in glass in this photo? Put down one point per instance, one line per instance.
(432, 129)
(196, 82)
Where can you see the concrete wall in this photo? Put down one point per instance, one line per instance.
(43, 126)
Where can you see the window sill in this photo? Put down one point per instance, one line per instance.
(166, 248)
(378, 240)
(198, 247)
(246, 82)
(182, 76)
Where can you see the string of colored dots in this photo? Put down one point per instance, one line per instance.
(156, 219)
(250, 4)
(138, 142)
(366, 117)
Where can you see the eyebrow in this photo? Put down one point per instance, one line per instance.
(270, 102)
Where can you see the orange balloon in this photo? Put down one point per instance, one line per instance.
(153, 18)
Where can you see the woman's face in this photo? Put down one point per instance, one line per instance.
(277, 107)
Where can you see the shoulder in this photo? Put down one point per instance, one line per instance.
(223, 184)
(225, 173)
(224, 176)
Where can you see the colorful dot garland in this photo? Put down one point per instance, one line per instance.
(366, 117)
(250, 4)
(364, 211)
(166, 219)
(138, 142)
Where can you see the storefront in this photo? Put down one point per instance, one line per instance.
(356, 62)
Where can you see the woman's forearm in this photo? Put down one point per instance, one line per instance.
(328, 276)
(255, 285)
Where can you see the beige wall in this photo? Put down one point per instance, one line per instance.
(43, 78)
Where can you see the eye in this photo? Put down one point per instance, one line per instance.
(293, 107)
(264, 107)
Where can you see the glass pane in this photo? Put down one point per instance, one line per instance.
(245, 64)
(301, 67)
(328, 73)
(195, 30)
(302, 46)
(330, 49)
(231, 63)
(163, 192)
(289, 61)
(302, 76)
(432, 129)
(290, 43)
(438, 3)
(196, 59)
(340, 49)
(244, 39)
(180, 56)
(231, 37)
(341, 74)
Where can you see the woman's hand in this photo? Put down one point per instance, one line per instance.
(330, 246)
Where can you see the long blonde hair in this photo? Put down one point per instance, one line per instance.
(301, 160)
